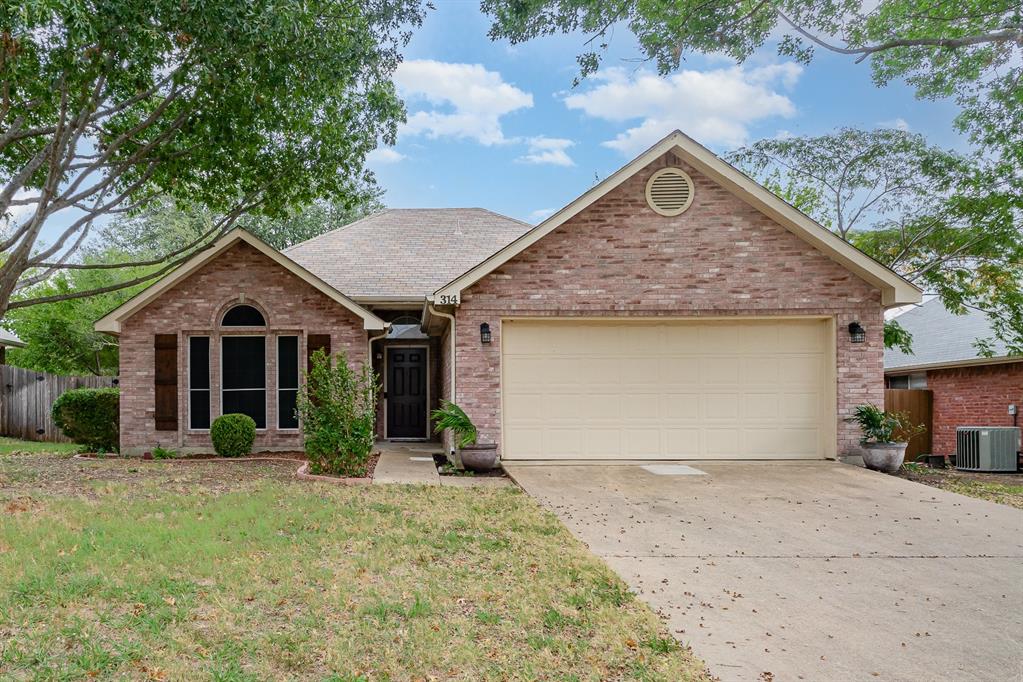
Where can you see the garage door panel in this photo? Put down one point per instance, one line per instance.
(665, 389)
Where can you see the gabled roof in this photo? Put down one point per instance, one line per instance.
(894, 289)
(111, 322)
(405, 253)
(943, 339)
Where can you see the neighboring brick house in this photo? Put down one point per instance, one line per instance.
(677, 310)
(967, 389)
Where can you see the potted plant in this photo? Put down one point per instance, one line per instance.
(475, 456)
(885, 437)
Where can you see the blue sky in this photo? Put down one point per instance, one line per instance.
(500, 126)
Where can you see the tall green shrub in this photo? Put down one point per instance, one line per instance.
(337, 408)
(89, 416)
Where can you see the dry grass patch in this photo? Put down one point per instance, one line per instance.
(161, 578)
(1004, 488)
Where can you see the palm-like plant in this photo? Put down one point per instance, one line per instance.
(879, 426)
(451, 416)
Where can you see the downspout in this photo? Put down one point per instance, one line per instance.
(434, 311)
(369, 346)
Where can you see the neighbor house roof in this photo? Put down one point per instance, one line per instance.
(111, 322)
(943, 339)
(894, 289)
(10, 339)
(406, 253)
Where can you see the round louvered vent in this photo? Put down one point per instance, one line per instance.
(669, 191)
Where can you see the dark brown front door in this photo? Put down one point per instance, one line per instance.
(406, 393)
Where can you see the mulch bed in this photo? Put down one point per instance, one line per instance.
(207, 458)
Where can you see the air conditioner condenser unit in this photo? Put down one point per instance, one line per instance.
(987, 448)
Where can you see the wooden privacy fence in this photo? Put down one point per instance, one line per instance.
(26, 398)
(917, 403)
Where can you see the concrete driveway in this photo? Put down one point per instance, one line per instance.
(812, 571)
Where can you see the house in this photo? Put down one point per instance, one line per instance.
(967, 389)
(8, 340)
(675, 310)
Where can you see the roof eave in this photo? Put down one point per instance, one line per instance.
(895, 290)
(111, 322)
(952, 364)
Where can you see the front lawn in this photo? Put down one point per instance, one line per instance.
(236, 571)
(1001, 488)
(13, 446)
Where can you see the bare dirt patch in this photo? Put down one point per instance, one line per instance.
(1004, 488)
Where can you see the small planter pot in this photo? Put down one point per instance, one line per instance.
(479, 457)
(886, 457)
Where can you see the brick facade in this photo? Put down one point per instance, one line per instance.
(194, 307)
(972, 396)
(620, 258)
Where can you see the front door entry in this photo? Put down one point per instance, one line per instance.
(406, 393)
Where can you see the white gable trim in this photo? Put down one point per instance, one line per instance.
(895, 290)
(111, 322)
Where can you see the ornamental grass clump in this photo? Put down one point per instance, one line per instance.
(337, 410)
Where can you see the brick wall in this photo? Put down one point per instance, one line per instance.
(972, 396)
(194, 307)
(620, 258)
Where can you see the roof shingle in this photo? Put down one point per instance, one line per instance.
(407, 252)
(940, 336)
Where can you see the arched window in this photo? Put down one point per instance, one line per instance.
(243, 316)
(243, 366)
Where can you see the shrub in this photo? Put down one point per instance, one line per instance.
(89, 416)
(879, 426)
(233, 434)
(337, 408)
(451, 416)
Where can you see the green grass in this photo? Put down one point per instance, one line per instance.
(272, 579)
(13, 446)
(1001, 488)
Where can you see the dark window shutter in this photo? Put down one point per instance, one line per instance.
(166, 380)
(314, 343)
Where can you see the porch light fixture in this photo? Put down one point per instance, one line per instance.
(485, 333)
(857, 334)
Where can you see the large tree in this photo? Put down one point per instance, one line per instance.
(237, 106)
(911, 206)
(60, 337)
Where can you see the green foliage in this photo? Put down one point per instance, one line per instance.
(337, 410)
(451, 416)
(879, 426)
(233, 434)
(60, 337)
(163, 453)
(897, 336)
(89, 416)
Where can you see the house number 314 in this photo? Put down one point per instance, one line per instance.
(449, 299)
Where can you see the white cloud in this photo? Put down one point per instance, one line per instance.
(715, 106)
(897, 123)
(541, 214)
(384, 155)
(548, 150)
(464, 100)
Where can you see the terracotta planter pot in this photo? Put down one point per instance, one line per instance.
(479, 457)
(886, 457)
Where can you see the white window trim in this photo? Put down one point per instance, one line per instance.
(209, 381)
(298, 387)
(264, 389)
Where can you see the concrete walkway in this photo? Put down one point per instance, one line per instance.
(815, 571)
(412, 463)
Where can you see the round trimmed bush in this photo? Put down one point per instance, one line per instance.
(233, 435)
(89, 416)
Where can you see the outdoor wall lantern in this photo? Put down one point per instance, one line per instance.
(857, 333)
(485, 333)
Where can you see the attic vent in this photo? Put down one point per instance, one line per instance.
(669, 191)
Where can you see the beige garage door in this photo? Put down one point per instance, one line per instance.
(666, 390)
